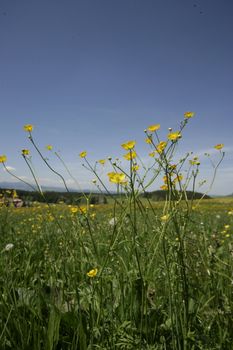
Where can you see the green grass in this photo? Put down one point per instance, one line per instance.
(157, 287)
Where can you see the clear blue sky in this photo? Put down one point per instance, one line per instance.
(92, 74)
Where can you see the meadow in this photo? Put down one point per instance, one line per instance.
(131, 274)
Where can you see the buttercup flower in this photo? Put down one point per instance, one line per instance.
(135, 167)
(92, 273)
(83, 154)
(174, 136)
(49, 147)
(102, 161)
(128, 145)
(189, 114)
(3, 158)
(164, 217)
(164, 187)
(117, 178)
(28, 127)
(161, 146)
(148, 140)
(74, 210)
(219, 146)
(131, 155)
(25, 152)
(153, 128)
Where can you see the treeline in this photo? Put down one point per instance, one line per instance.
(160, 195)
(57, 197)
(94, 198)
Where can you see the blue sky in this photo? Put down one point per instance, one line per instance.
(92, 74)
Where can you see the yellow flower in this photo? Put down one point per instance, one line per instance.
(230, 212)
(174, 136)
(165, 179)
(219, 146)
(135, 167)
(161, 146)
(148, 140)
(83, 154)
(128, 145)
(130, 155)
(74, 210)
(25, 152)
(194, 162)
(92, 273)
(49, 147)
(165, 217)
(164, 187)
(178, 179)
(189, 114)
(154, 127)
(83, 210)
(102, 161)
(3, 158)
(28, 127)
(117, 178)
(152, 154)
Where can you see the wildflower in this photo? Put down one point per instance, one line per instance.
(226, 227)
(148, 140)
(25, 152)
(117, 178)
(94, 181)
(9, 246)
(174, 136)
(135, 167)
(102, 161)
(28, 127)
(154, 127)
(74, 210)
(92, 273)
(3, 158)
(152, 154)
(128, 145)
(49, 147)
(161, 146)
(112, 222)
(230, 212)
(194, 161)
(82, 210)
(178, 178)
(83, 154)
(219, 146)
(164, 187)
(165, 217)
(130, 155)
(189, 114)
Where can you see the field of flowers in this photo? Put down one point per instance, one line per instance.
(133, 274)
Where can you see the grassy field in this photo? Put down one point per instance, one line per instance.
(117, 277)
